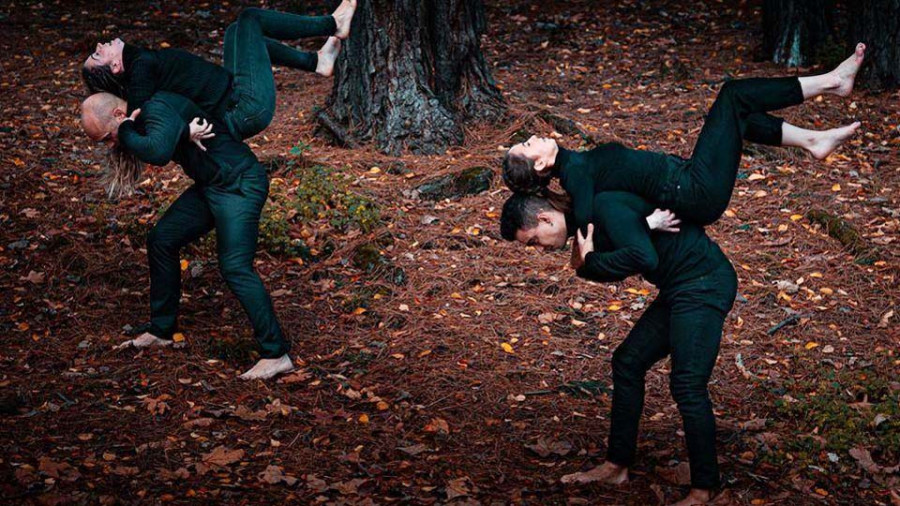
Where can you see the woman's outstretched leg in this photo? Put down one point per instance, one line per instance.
(248, 43)
(717, 154)
(771, 130)
(837, 82)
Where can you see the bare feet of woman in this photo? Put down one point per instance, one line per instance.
(695, 496)
(845, 73)
(823, 143)
(343, 16)
(269, 368)
(607, 472)
(327, 56)
(145, 340)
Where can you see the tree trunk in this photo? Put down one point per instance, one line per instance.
(877, 23)
(411, 73)
(796, 30)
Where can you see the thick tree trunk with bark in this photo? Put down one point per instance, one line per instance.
(796, 30)
(411, 75)
(877, 23)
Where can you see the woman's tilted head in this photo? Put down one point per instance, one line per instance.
(103, 70)
(526, 165)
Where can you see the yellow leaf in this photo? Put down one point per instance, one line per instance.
(425, 353)
(810, 345)
(760, 194)
(382, 406)
(363, 418)
(730, 213)
(836, 187)
(755, 177)
(796, 217)
(822, 492)
(826, 291)
(184, 265)
(782, 228)
(816, 275)
(178, 337)
(507, 347)
(615, 307)
(455, 295)
(359, 310)
(164, 45)
(374, 170)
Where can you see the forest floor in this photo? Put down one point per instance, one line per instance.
(439, 363)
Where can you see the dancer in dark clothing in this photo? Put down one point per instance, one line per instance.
(242, 92)
(697, 189)
(697, 288)
(229, 192)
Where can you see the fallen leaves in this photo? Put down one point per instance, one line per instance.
(544, 447)
(219, 457)
(438, 426)
(273, 475)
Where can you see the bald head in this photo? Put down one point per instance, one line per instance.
(101, 114)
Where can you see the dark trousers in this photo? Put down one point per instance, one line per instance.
(251, 48)
(707, 180)
(685, 322)
(234, 214)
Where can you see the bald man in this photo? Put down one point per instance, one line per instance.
(230, 189)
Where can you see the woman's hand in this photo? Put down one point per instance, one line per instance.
(585, 243)
(664, 221)
(200, 131)
(134, 115)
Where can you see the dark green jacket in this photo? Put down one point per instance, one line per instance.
(147, 71)
(161, 134)
(613, 167)
(625, 246)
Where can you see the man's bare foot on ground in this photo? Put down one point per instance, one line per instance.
(327, 56)
(343, 16)
(145, 340)
(825, 142)
(269, 368)
(607, 472)
(695, 496)
(845, 73)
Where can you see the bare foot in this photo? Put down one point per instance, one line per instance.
(846, 71)
(825, 142)
(269, 368)
(327, 56)
(144, 340)
(607, 472)
(695, 496)
(343, 16)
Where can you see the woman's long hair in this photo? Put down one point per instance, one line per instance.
(121, 172)
(101, 78)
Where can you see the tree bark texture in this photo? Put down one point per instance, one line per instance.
(412, 73)
(795, 31)
(877, 23)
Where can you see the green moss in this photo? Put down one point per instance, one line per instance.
(836, 412)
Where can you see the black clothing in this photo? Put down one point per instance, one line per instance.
(697, 288)
(696, 189)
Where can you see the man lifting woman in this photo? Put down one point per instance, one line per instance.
(169, 105)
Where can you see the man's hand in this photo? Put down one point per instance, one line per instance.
(664, 221)
(585, 243)
(200, 131)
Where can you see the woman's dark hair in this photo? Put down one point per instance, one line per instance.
(101, 78)
(521, 209)
(520, 176)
